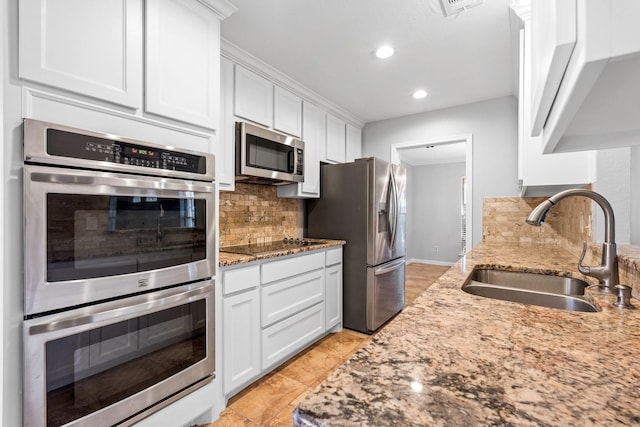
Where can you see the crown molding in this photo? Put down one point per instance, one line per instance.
(245, 59)
(222, 8)
(522, 9)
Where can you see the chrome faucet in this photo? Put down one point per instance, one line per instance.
(607, 272)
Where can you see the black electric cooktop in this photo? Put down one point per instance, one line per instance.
(275, 246)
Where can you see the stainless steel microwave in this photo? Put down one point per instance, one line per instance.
(264, 156)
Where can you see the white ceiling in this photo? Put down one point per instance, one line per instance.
(327, 45)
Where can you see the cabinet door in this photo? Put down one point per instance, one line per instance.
(241, 339)
(534, 168)
(354, 143)
(253, 97)
(226, 147)
(287, 112)
(183, 61)
(314, 137)
(93, 48)
(553, 33)
(333, 296)
(336, 139)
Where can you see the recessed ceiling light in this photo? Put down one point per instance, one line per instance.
(419, 94)
(384, 52)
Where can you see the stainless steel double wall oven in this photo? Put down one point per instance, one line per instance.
(119, 260)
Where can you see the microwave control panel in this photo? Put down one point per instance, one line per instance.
(86, 147)
(300, 162)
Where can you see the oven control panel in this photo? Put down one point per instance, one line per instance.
(86, 147)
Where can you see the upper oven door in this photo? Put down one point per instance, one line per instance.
(93, 235)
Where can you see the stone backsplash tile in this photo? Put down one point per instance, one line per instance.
(568, 223)
(254, 214)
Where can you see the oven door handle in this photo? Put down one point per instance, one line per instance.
(121, 309)
(112, 180)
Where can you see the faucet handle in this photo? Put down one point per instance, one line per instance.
(584, 269)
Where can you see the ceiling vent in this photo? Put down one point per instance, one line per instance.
(454, 7)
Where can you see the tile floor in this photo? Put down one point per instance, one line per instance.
(271, 400)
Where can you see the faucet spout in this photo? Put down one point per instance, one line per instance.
(607, 273)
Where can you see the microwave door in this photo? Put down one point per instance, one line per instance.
(266, 156)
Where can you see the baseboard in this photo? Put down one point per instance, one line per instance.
(430, 261)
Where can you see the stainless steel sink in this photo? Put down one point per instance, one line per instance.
(532, 288)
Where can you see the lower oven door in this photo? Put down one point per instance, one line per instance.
(108, 363)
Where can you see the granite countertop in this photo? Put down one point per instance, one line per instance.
(455, 359)
(227, 259)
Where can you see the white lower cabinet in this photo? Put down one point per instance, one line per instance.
(241, 339)
(333, 288)
(241, 326)
(273, 309)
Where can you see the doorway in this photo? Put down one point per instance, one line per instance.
(456, 149)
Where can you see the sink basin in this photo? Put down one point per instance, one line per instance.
(532, 288)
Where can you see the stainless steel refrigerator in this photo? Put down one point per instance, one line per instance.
(364, 203)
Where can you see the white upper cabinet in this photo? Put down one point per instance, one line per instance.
(253, 97)
(287, 112)
(539, 173)
(183, 61)
(226, 147)
(314, 137)
(97, 49)
(336, 140)
(554, 24)
(353, 143)
(93, 48)
(595, 102)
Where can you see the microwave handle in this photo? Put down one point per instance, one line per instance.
(292, 161)
(127, 307)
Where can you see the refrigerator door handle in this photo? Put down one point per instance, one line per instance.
(393, 209)
(389, 267)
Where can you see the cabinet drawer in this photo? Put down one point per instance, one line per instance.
(282, 299)
(291, 335)
(240, 279)
(334, 256)
(278, 270)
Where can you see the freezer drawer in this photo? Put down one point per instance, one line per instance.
(385, 292)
